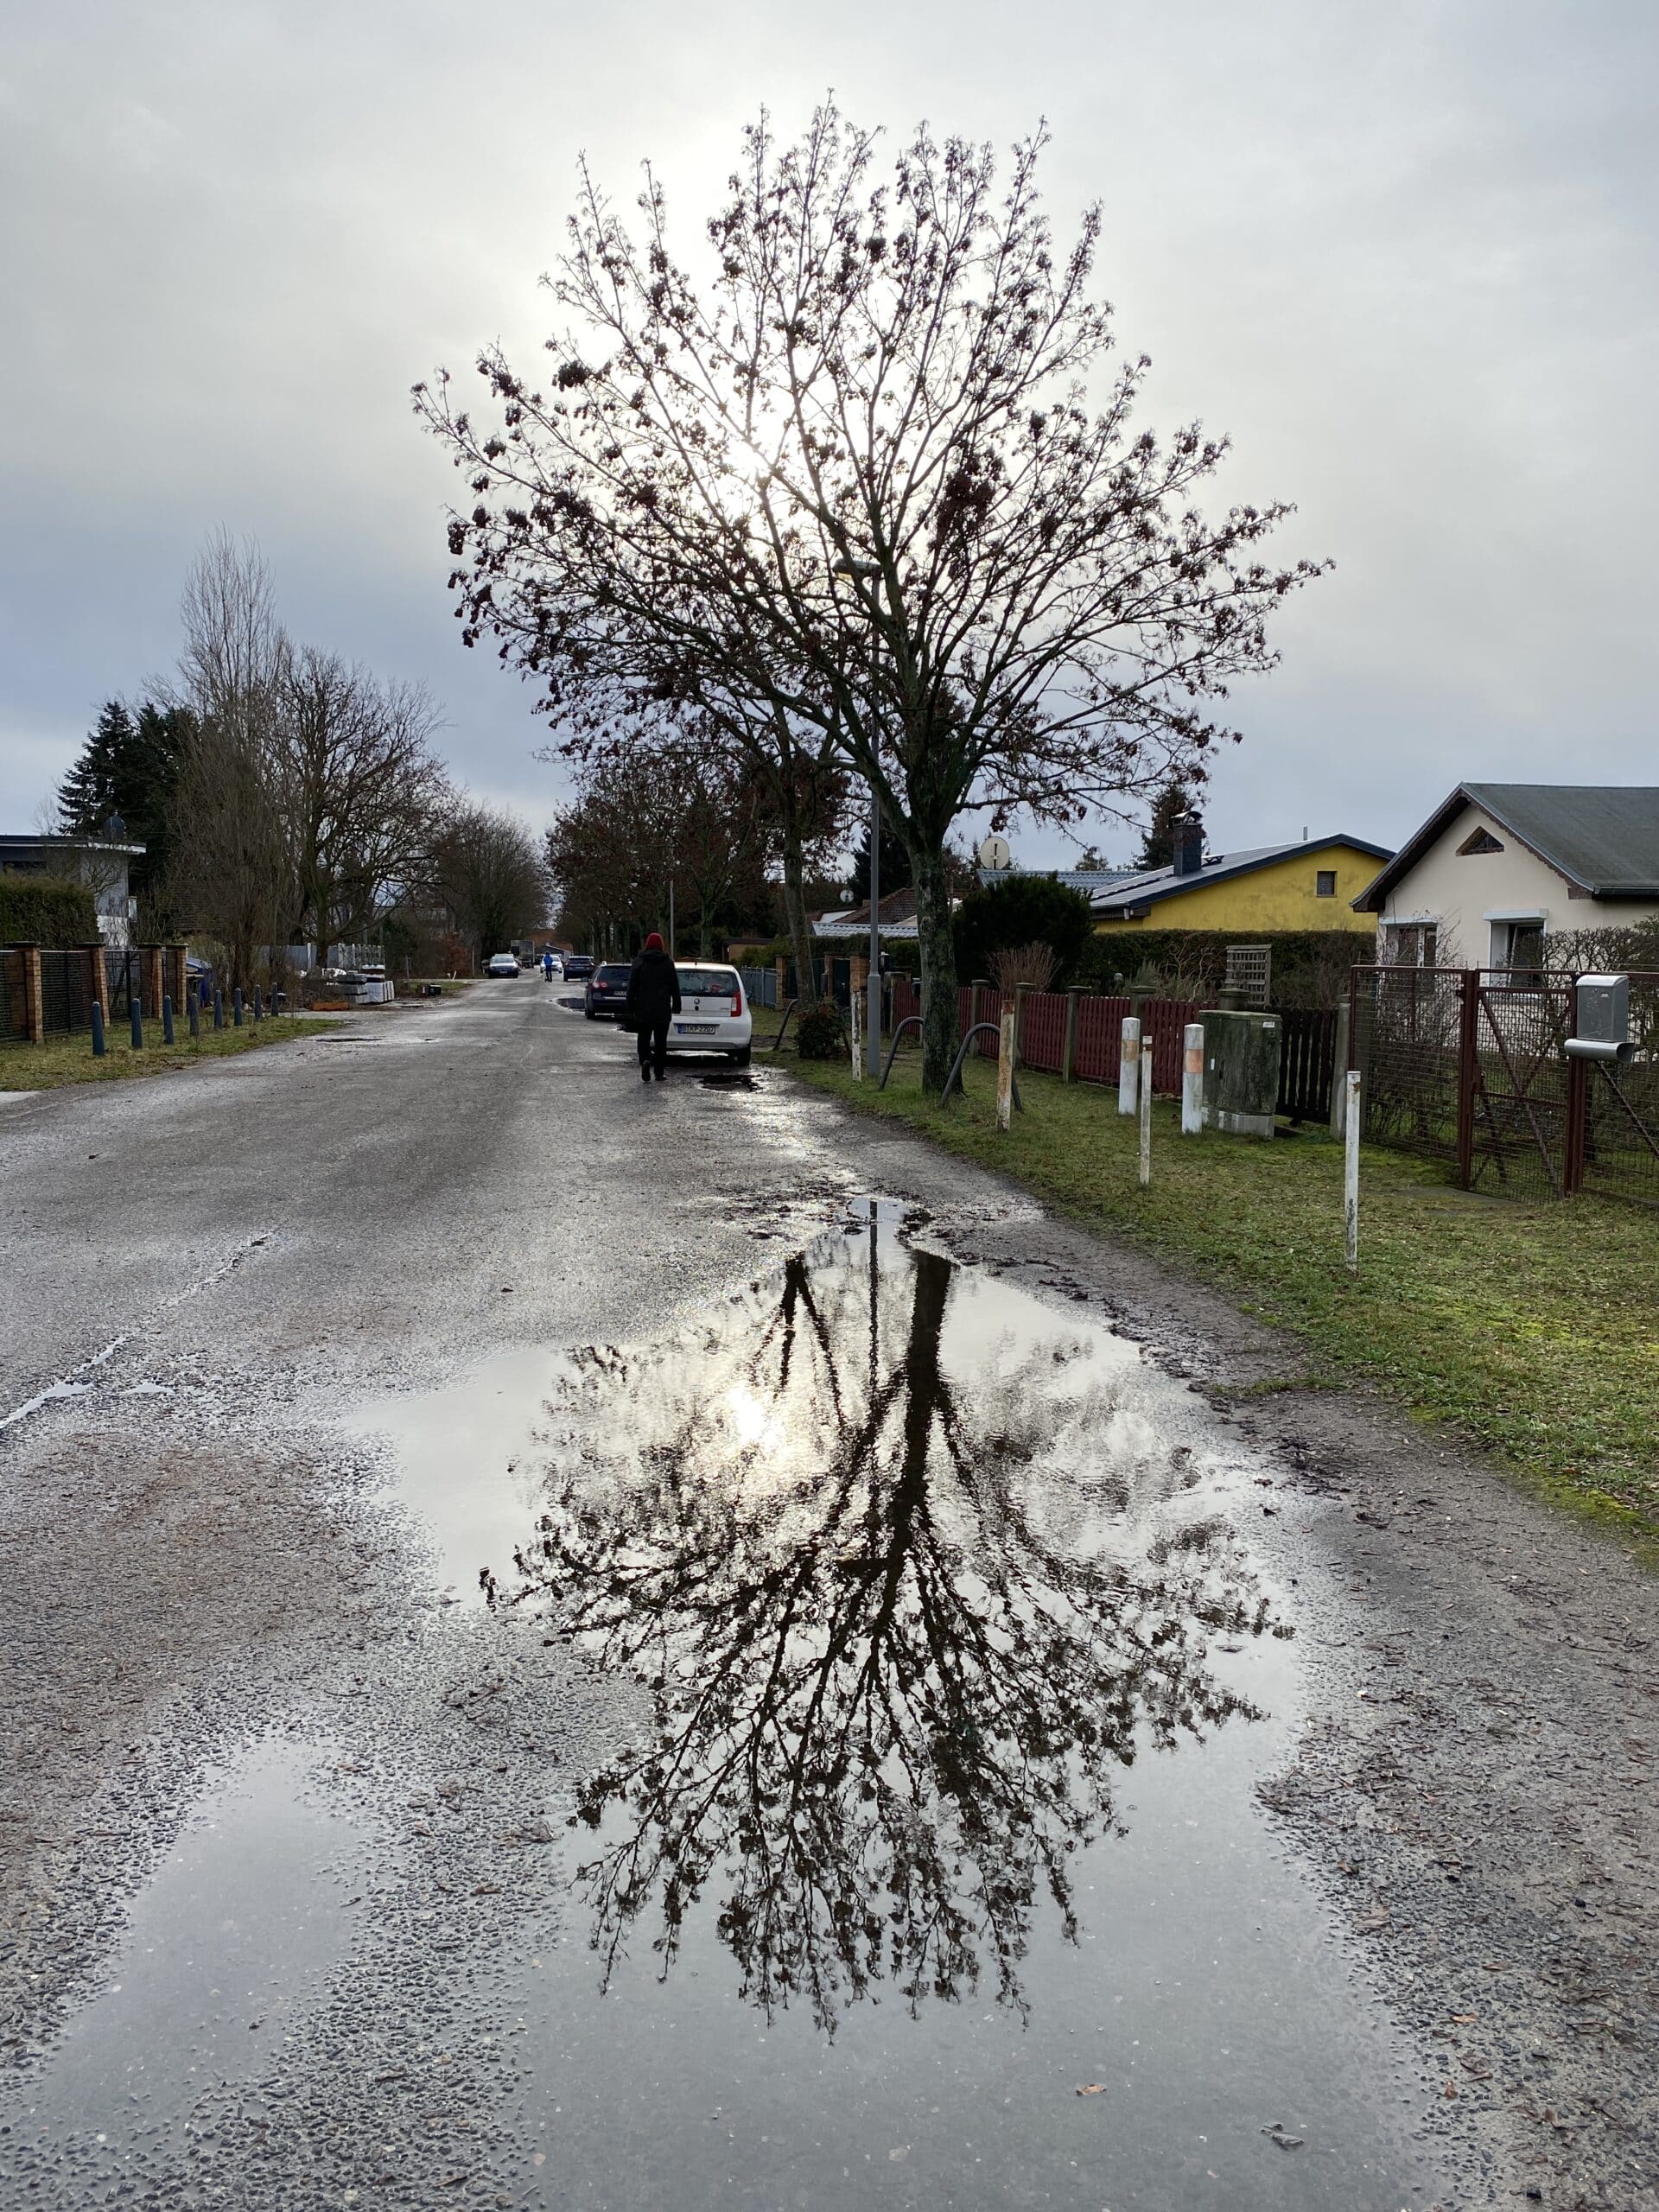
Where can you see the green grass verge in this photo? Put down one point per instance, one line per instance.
(69, 1059)
(1535, 1328)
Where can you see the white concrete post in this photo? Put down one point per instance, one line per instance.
(1146, 1119)
(858, 1057)
(1005, 1070)
(1351, 1169)
(1192, 1080)
(1129, 1066)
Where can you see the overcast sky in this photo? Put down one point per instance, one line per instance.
(1405, 256)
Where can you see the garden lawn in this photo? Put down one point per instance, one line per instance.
(69, 1059)
(1534, 1327)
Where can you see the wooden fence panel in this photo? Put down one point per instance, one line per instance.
(1042, 1037)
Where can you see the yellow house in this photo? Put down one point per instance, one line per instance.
(1308, 886)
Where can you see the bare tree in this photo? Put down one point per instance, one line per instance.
(231, 869)
(359, 789)
(855, 484)
(489, 877)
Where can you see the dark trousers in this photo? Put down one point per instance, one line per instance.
(653, 1042)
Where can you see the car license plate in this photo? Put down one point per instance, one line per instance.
(696, 1028)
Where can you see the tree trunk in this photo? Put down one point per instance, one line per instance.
(800, 937)
(940, 1035)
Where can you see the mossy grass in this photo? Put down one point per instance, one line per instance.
(61, 1060)
(1533, 1327)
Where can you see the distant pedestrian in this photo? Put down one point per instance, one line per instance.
(653, 998)
(547, 966)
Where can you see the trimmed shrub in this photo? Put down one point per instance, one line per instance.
(50, 910)
(1309, 967)
(821, 1034)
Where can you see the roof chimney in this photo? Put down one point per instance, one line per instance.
(1188, 835)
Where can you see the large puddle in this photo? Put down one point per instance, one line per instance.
(932, 1871)
(921, 1864)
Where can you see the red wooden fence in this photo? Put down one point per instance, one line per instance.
(1100, 1030)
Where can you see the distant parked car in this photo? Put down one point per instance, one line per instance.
(606, 990)
(502, 963)
(713, 1016)
(577, 967)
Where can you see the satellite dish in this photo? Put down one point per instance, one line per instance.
(995, 853)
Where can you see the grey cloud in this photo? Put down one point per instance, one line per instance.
(1406, 257)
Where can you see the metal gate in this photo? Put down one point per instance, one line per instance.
(1472, 1068)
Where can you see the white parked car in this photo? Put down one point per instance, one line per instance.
(502, 963)
(714, 1015)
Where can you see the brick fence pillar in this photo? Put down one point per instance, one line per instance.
(34, 1005)
(781, 966)
(150, 960)
(175, 977)
(97, 979)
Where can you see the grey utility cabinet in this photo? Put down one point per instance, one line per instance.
(1240, 1072)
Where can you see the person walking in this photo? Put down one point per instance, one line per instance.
(653, 998)
(547, 966)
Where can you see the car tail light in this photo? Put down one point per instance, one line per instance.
(737, 998)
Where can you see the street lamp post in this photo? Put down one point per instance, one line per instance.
(862, 571)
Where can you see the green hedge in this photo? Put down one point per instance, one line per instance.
(48, 909)
(1309, 967)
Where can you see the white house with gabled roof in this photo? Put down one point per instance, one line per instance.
(1498, 867)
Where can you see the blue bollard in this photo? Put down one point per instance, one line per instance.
(166, 1017)
(219, 1008)
(193, 1008)
(97, 1030)
(137, 1025)
(235, 1006)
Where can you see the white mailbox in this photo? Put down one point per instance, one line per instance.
(1603, 1020)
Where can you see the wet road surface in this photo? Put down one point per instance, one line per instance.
(584, 1644)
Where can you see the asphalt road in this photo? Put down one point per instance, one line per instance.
(575, 1644)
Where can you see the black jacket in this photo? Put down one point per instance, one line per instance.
(653, 990)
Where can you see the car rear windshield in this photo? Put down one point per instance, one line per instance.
(708, 983)
(611, 973)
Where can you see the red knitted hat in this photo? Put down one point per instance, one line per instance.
(654, 941)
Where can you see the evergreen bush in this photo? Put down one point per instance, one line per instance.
(48, 909)
(1023, 910)
(821, 1035)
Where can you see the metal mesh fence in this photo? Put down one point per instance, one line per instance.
(1621, 1109)
(1405, 1039)
(1472, 1068)
(66, 991)
(14, 1010)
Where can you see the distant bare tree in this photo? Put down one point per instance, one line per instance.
(360, 790)
(489, 877)
(231, 870)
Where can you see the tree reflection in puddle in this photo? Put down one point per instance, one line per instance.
(910, 1582)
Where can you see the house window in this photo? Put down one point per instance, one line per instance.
(1479, 841)
(1408, 945)
(1325, 883)
(1518, 951)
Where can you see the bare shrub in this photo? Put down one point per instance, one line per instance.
(1012, 964)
